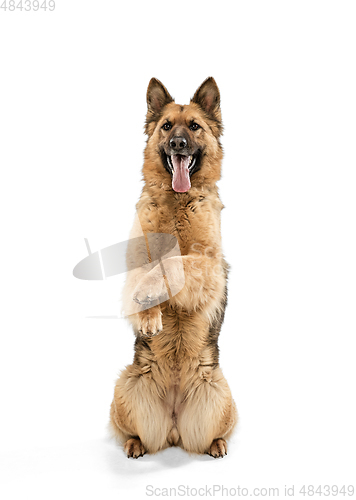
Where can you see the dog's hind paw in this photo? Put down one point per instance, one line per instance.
(218, 448)
(134, 448)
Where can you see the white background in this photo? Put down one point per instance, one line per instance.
(72, 107)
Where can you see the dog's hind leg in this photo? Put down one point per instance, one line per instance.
(208, 414)
(138, 416)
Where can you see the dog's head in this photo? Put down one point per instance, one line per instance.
(183, 147)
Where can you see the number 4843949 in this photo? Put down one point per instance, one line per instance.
(27, 5)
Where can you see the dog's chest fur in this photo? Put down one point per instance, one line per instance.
(193, 218)
(187, 338)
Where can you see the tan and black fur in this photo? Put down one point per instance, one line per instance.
(174, 393)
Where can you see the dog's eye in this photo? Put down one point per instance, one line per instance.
(167, 126)
(194, 126)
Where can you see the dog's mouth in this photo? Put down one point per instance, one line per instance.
(181, 167)
(187, 161)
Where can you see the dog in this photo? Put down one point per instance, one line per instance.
(174, 393)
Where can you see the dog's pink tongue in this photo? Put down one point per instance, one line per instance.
(181, 180)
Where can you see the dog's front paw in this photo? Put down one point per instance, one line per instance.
(151, 288)
(150, 322)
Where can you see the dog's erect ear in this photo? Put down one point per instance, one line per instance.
(157, 98)
(208, 98)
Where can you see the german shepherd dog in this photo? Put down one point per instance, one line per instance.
(174, 393)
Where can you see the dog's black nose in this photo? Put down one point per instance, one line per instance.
(178, 143)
